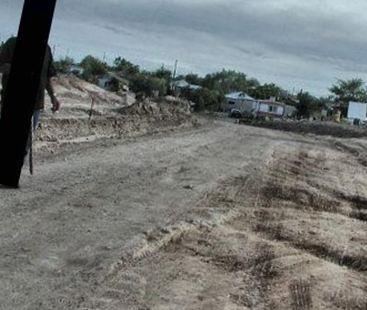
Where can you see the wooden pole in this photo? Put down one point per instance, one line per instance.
(22, 88)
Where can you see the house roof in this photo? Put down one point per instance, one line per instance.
(239, 96)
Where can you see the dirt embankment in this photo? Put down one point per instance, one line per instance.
(312, 127)
(89, 113)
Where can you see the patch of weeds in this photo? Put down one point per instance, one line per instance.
(300, 292)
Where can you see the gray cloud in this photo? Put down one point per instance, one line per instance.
(302, 45)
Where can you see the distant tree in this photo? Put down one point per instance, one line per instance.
(227, 81)
(204, 98)
(307, 105)
(266, 91)
(147, 85)
(63, 65)
(93, 67)
(325, 102)
(193, 79)
(163, 74)
(125, 66)
(345, 91)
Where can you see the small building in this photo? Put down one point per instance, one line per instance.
(241, 102)
(357, 111)
(271, 108)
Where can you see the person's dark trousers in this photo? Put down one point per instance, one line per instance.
(35, 122)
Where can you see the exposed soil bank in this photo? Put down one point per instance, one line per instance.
(316, 127)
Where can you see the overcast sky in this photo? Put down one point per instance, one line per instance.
(296, 44)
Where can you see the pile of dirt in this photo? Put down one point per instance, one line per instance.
(70, 86)
(312, 127)
(89, 113)
(138, 119)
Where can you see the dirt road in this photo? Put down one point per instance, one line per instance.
(221, 217)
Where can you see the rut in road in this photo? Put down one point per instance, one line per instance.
(277, 251)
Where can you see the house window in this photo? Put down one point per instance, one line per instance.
(271, 108)
(231, 102)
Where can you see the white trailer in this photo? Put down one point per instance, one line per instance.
(357, 110)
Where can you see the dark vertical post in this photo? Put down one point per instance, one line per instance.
(22, 87)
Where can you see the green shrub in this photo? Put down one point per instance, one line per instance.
(125, 66)
(93, 67)
(63, 65)
(148, 85)
(204, 99)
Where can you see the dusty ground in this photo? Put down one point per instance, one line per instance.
(223, 216)
(324, 128)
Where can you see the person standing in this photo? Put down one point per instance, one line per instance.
(48, 72)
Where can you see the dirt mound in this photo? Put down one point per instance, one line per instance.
(140, 118)
(314, 127)
(89, 113)
(70, 86)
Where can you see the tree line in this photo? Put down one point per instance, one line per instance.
(215, 86)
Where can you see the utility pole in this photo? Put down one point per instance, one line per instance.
(22, 87)
(175, 70)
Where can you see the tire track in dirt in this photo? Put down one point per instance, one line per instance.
(279, 188)
(357, 152)
(257, 241)
(263, 210)
(290, 181)
(276, 232)
(288, 188)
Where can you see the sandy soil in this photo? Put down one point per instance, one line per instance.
(223, 216)
(323, 128)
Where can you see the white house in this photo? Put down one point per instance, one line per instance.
(271, 108)
(241, 102)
